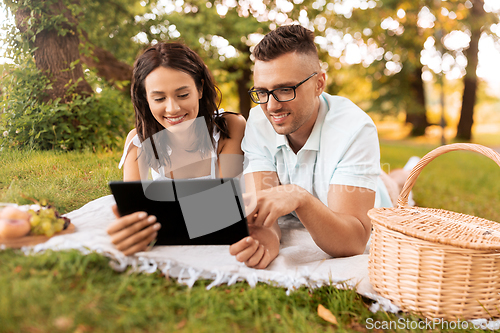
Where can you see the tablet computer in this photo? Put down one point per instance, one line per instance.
(191, 211)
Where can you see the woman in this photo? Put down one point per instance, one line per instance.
(173, 90)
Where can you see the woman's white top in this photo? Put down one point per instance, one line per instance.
(161, 174)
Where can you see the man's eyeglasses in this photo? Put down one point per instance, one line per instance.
(283, 94)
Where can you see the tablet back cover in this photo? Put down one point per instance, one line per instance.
(191, 212)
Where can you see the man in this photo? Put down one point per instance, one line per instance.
(308, 152)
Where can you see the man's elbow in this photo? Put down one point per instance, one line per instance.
(347, 252)
(348, 249)
(357, 250)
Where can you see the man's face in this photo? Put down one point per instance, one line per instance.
(298, 115)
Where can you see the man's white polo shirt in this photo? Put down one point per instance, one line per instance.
(342, 149)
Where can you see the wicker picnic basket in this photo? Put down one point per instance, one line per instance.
(435, 262)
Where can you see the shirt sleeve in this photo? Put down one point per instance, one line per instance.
(360, 163)
(258, 156)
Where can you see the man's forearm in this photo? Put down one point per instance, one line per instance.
(337, 234)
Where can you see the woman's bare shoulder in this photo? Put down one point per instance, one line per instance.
(235, 123)
(130, 136)
(236, 128)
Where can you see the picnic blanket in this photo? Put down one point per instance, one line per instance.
(300, 262)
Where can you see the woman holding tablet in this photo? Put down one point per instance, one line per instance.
(176, 113)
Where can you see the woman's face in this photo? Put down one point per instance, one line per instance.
(172, 96)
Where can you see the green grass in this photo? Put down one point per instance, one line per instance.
(71, 292)
(459, 181)
(67, 180)
(66, 291)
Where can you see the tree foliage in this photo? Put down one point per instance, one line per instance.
(391, 40)
(392, 35)
(387, 79)
(81, 122)
(47, 101)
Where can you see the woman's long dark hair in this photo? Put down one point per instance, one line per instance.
(179, 57)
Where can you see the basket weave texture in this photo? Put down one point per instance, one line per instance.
(438, 263)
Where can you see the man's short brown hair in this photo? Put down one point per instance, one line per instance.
(283, 40)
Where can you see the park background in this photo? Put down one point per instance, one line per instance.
(416, 67)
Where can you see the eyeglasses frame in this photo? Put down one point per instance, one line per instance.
(271, 92)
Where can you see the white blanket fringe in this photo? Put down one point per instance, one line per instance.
(300, 263)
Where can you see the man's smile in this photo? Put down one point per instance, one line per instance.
(279, 118)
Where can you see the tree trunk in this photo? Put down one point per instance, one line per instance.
(243, 86)
(416, 112)
(55, 52)
(464, 128)
(108, 67)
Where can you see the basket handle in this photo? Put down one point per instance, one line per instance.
(412, 178)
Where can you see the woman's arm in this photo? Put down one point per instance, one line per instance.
(230, 155)
(131, 165)
(132, 233)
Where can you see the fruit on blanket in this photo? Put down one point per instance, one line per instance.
(44, 220)
(12, 213)
(47, 221)
(14, 228)
(14, 223)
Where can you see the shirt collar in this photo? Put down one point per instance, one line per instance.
(312, 142)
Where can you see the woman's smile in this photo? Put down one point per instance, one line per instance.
(172, 96)
(176, 120)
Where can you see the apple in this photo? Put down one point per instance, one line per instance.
(12, 213)
(14, 228)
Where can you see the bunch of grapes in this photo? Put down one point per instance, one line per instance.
(47, 221)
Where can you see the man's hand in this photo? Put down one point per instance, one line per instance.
(268, 205)
(340, 229)
(259, 249)
(133, 233)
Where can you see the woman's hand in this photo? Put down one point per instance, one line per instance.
(133, 233)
